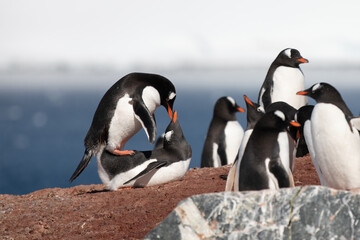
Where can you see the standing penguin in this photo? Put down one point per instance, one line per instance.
(125, 108)
(261, 166)
(224, 135)
(287, 150)
(335, 137)
(253, 114)
(283, 80)
(166, 163)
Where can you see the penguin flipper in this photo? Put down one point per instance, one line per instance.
(282, 176)
(150, 167)
(146, 119)
(291, 179)
(231, 177)
(82, 165)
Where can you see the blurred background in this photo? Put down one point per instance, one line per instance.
(58, 58)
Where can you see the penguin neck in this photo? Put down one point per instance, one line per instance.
(338, 102)
(224, 118)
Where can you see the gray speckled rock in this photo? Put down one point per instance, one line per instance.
(311, 212)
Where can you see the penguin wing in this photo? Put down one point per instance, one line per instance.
(276, 168)
(146, 119)
(264, 98)
(230, 181)
(222, 150)
(150, 167)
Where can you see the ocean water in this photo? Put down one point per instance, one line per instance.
(42, 130)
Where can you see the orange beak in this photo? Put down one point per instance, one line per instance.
(295, 124)
(175, 117)
(240, 109)
(303, 60)
(248, 100)
(297, 134)
(170, 111)
(302, 93)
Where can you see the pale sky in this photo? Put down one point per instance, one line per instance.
(168, 33)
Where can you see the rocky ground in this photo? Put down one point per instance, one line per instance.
(91, 212)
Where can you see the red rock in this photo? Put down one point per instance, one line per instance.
(90, 212)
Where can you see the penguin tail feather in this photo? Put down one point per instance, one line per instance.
(82, 165)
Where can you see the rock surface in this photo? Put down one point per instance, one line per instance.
(90, 212)
(311, 212)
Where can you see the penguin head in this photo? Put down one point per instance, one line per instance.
(254, 112)
(276, 120)
(290, 57)
(173, 133)
(166, 91)
(322, 92)
(287, 109)
(225, 108)
(289, 112)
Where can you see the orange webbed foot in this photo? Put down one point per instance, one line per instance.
(123, 152)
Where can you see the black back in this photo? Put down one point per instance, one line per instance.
(263, 144)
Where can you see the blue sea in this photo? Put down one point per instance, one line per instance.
(42, 129)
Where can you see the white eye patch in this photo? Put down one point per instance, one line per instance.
(172, 95)
(280, 114)
(261, 109)
(168, 135)
(288, 52)
(231, 100)
(316, 87)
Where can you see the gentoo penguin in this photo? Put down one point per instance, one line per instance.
(283, 80)
(126, 107)
(305, 143)
(287, 151)
(224, 135)
(261, 167)
(145, 168)
(335, 137)
(253, 114)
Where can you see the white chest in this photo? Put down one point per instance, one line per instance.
(283, 142)
(233, 136)
(336, 147)
(287, 82)
(124, 124)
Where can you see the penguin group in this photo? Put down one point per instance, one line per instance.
(281, 126)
